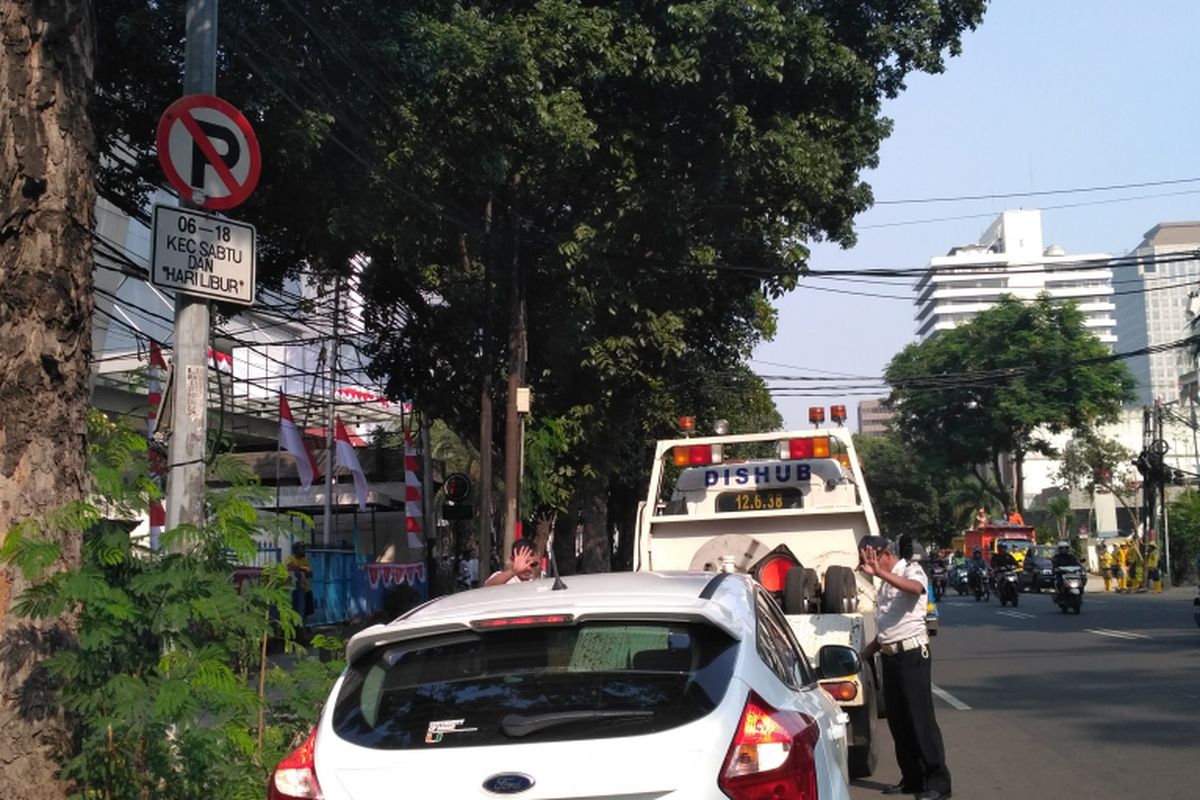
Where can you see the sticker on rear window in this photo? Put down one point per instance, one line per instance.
(439, 728)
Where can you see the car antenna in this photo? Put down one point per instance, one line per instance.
(558, 581)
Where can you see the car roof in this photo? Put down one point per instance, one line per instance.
(721, 599)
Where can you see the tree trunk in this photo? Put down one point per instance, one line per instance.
(1019, 482)
(46, 222)
(591, 498)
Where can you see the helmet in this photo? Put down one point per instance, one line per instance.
(1063, 547)
(977, 552)
(1001, 546)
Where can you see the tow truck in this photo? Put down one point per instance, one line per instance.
(789, 509)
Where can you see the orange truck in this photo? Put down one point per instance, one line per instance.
(985, 537)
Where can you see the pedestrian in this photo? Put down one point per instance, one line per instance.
(521, 566)
(299, 565)
(1104, 559)
(907, 676)
(1152, 571)
(1133, 560)
(468, 570)
(1120, 564)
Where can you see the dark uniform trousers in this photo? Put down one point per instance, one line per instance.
(919, 749)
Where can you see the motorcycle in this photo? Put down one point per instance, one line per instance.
(937, 579)
(1068, 588)
(959, 580)
(1006, 586)
(979, 584)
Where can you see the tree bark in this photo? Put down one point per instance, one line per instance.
(591, 498)
(47, 200)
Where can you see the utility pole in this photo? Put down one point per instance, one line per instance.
(330, 416)
(189, 412)
(516, 378)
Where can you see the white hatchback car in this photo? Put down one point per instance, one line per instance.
(621, 685)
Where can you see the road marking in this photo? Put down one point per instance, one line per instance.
(1017, 614)
(1115, 634)
(957, 704)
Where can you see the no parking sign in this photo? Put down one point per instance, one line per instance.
(208, 151)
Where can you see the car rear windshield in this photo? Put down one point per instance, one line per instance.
(587, 681)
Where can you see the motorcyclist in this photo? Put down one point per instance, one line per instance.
(1063, 557)
(976, 567)
(1002, 559)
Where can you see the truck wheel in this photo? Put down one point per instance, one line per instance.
(864, 757)
(841, 591)
(799, 590)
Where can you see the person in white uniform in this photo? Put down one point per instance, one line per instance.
(907, 685)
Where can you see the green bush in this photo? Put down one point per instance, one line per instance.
(167, 683)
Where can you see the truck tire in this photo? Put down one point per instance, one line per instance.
(800, 591)
(864, 757)
(841, 591)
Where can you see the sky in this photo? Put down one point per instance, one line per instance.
(1047, 95)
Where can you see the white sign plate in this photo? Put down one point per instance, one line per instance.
(198, 254)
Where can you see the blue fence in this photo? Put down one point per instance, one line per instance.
(346, 586)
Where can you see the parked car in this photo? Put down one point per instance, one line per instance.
(687, 685)
(1037, 572)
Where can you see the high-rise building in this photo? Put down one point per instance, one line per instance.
(1009, 258)
(1152, 305)
(874, 419)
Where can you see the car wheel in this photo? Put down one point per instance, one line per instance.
(800, 594)
(841, 591)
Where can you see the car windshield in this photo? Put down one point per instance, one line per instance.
(593, 680)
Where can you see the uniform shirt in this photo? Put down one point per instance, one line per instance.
(900, 615)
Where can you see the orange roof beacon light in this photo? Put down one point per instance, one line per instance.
(687, 424)
(838, 414)
(816, 415)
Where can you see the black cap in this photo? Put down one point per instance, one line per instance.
(875, 543)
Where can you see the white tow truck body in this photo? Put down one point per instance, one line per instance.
(799, 494)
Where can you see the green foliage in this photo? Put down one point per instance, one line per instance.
(912, 494)
(653, 172)
(1185, 534)
(998, 384)
(1095, 463)
(161, 682)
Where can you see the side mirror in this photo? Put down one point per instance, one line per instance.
(836, 661)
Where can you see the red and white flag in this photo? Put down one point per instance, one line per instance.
(292, 440)
(414, 521)
(154, 388)
(346, 457)
(158, 522)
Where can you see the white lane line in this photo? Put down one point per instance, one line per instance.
(1115, 634)
(957, 704)
(1017, 614)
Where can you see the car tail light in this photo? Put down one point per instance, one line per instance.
(696, 455)
(842, 691)
(808, 447)
(771, 756)
(528, 621)
(295, 778)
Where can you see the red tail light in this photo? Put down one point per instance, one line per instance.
(772, 574)
(523, 622)
(295, 778)
(808, 447)
(771, 757)
(697, 455)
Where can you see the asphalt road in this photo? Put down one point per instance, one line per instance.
(1036, 704)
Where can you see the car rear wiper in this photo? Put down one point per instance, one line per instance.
(517, 725)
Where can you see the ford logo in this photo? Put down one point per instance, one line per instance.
(508, 783)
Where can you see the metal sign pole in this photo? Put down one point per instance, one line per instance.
(189, 414)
